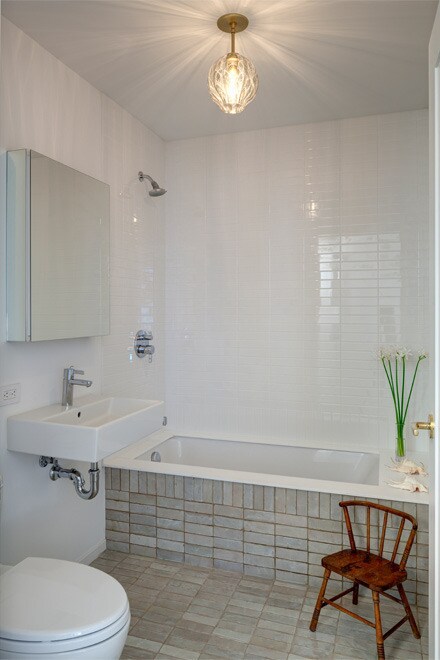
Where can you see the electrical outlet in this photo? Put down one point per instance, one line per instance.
(9, 394)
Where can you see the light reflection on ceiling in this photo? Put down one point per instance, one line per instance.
(316, 59)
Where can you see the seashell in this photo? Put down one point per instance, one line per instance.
(408, 467)
(409, 483)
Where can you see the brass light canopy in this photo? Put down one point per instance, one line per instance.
(224, 23)
(232, 79)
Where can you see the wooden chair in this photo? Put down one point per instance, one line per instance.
(370, 570)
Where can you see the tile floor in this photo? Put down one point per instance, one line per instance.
(180, 611)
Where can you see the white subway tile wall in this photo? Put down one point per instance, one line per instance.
(47, 107)
(137, 255)
(292, 254)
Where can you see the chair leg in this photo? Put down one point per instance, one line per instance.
(409, 614)
(379, 633)
(355, 593)
(315, 617)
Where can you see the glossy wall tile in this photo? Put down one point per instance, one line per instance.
(45, 106)
(292, 254)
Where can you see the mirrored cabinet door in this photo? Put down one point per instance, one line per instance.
(57, 250)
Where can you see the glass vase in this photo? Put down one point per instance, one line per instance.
(400, 441)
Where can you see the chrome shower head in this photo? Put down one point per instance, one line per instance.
(156, 190)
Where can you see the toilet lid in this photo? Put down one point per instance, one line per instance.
(50, 600)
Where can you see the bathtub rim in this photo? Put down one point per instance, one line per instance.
(126, 459)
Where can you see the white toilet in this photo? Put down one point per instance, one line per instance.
(54, 609)
(51, 608)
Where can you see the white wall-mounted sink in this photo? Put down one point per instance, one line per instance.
(89, 431)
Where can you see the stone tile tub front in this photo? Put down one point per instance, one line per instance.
(263, 531)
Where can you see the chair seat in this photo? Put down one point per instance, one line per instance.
(368, 569)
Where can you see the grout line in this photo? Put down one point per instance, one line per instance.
(307, 595)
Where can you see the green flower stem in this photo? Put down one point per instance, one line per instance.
(396, 380)
(390, 381)
(400, 440)
(412, 385)
(397, 386)
(403, 384)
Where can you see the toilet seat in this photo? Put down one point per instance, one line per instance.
(53, 606)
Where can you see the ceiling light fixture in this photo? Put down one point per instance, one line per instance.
(232, 80)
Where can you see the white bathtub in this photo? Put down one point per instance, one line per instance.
(304, 462)
(272, 463)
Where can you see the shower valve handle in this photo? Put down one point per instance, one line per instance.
(142, 344)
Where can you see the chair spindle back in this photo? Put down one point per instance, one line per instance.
(382, 534)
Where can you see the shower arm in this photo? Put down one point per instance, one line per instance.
(156, 190)
(143, 176)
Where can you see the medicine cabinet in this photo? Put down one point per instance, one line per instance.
(57, 250)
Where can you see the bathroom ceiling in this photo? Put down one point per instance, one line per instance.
(316, 59)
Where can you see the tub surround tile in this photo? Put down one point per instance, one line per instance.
(305, 276)
(261, 532)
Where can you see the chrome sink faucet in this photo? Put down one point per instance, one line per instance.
(69, 381)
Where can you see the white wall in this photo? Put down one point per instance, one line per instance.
(47, 107)
(292, 254)
(434, 189)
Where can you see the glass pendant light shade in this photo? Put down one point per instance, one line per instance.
(232, 80)
(233, 83)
